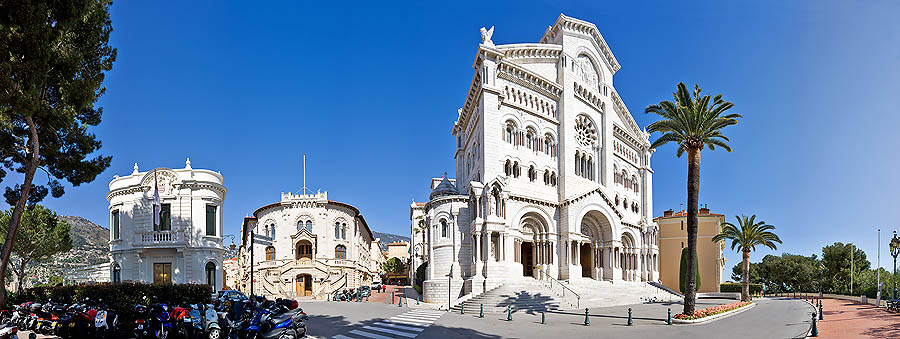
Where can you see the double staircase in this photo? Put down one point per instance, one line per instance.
(598, 293)
(520, 295)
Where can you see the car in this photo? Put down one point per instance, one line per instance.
(365, 291)
(231, 295)
(376, 285)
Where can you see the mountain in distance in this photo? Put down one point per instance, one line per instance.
(90, 246)
(387, 238)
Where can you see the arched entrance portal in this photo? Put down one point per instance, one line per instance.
(598, 253)
(304, 285)
(527, 256)
(586, 262)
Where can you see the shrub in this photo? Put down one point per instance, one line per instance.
(420, 277)
(712, 310)
(736, 287)
(682, 271)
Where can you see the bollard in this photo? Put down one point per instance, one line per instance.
(815, 331)
(669, 318)
(392, 297)
(481, 313)
(418, 298)
(462, 308)
(820, 310)
(543, 315)
(400, 302)
(508, 313)
(587, 321)
(629, 316)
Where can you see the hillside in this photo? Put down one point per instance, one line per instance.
(387, 238)
(89, 247)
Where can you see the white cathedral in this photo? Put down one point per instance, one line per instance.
(553, 173)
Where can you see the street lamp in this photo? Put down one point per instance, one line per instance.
(895, 250)
(821, 271)
(232, 246)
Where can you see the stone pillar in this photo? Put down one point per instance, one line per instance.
(479, 255)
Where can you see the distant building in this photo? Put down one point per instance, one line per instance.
(185, 246)
(88, 274)
(673, 238)
(399, 250)
(231, 268)
(307, 245)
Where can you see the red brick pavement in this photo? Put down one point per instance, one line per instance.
(846, 319)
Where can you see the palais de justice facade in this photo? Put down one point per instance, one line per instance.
(553, 174)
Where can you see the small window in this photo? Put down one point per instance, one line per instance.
(211, 275)
(115, 222)
(116, 273)
(344, 231)
(337, 230)
(340, 252)
(270, 253)
(309, 225)
(272, 231)
(444, 228)
(210, 220)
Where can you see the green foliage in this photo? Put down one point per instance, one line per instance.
(755, 277)
(692, 121)
(836, 259)
(682, 271)
(119, 296)
(732, 287)
(750, 234)
(393, 265)
(420, 276)
(41, 235)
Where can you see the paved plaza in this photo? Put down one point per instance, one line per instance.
(847, 319)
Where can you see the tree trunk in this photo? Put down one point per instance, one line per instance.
(20, 272)
(30, 169)
(693, 188)
(745, 276)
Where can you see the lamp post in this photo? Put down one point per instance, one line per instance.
(251, 262)
(821, 272)
(895, 250)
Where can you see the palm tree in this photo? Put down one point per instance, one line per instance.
(750, 234)
(693, 123)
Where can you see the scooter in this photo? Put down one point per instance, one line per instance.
(106, 322)
(206, 321)
(160, 325)
(9, 331)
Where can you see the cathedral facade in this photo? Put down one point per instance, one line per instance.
(553, 176)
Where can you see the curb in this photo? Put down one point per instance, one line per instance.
(713, 317)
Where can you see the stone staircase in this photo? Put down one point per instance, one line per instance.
(596, 293)
(521, 295)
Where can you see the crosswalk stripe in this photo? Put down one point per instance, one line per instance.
(341, 337)
(405, 328)
(424, 317)
(369, 335)
(406, 322)
(412, 319)
(427, 312)
(387, 330)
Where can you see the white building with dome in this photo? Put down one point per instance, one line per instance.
(185, 245)
(553, 176)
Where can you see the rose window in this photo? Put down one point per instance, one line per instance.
(585, 133)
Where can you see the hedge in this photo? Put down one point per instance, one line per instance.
(736, 287)
(420, 277)
(121, 297)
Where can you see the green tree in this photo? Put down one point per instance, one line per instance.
(55, 54)
(836, 259)
(750, 234)
(692, 122)
(737, 272)
(682, 271)
(393, 265)
(42, 235)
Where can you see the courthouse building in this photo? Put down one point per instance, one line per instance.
(553, 176)
(307, 245)
(185, 246)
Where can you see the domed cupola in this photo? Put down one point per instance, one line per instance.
(444, 188)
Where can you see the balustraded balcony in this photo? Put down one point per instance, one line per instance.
(159, 239)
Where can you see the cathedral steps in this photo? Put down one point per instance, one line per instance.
(525, 295)
(597, 293)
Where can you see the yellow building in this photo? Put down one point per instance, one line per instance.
(673, 238)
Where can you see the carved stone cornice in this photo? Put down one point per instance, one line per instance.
(589, 98)
(576, 26)
(624, 114)
(528, 79)
(598, 190)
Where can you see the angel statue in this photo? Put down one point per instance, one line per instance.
(486, 36)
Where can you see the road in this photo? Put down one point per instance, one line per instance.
(777, 318)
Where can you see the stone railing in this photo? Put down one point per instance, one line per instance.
(565, 292)
(161, 238)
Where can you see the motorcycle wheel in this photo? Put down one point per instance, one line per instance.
(101, 333)
(287, 335)
(214, 333)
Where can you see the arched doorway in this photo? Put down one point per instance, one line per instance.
(527, 255)
(304, 285)
(586, 260)
(598, 255)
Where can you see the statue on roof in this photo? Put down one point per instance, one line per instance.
(486, 35)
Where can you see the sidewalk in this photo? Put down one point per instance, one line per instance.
(846, 319)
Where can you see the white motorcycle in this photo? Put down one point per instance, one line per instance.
(105, 322)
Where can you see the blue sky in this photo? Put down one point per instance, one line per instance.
(369, 92)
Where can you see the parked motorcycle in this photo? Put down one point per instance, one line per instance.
(106, 322)
(9, 331)
(182, 322)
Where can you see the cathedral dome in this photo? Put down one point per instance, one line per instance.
(445, 187)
